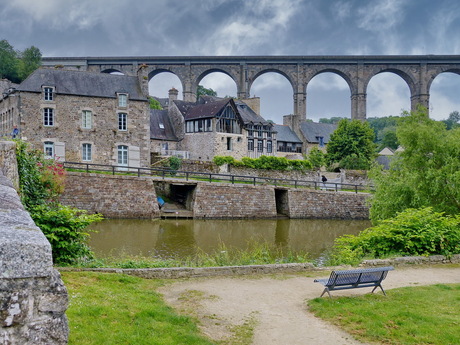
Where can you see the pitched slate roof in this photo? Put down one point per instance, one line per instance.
(248, 115)
(159, 119)
(207, 110)
(286, 134)
(313, 130)
(81, 83)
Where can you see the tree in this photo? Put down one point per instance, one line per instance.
(351, 146)
(31, 59)
(204, 91)
(425, 174)
(8, 61)
(452, 120)
(316, 158)
(15, 65)
(333, 120)
(154, 104)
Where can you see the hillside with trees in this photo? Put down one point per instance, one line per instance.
(17, 65)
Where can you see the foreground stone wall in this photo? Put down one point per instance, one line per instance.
(307, 203)
(234, 201)
(8, 165)
(33, 298)
(113, 196)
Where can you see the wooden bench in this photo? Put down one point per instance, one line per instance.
(352, 279)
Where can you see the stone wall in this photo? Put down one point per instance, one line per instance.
(234, 201)
(113, 196)
(8, 165)
(33, 298)
(310, 204)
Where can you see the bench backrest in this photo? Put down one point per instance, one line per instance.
(360, 276)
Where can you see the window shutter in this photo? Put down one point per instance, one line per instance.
(59, 151)
(134, 156)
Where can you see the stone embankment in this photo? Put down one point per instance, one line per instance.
(198, 272)
(33, 298)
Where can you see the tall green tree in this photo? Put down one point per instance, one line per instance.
(351, 146)
(8, 62)
(15, 65)
(425, 174)
(453, 120)
(31, 59)
(201, 91)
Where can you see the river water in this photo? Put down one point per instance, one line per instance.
(180, 238)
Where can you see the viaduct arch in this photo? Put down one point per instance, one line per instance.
(418, 71)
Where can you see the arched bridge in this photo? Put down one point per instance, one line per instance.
(418, 71)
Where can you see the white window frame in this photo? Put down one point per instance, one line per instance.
(48, 93)
(86, 119)
(122, 121)
(122, 100)
(48, 149)
(122, 155)
(48, 117)
(86, 152)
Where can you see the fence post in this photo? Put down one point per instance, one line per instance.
(233, 179)
(254, 181)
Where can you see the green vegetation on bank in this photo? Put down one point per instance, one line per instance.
(40, 183)
(265, 162)
(411, 316)
(256, 253)
(119, 309)
(16, 65)
(412, 232)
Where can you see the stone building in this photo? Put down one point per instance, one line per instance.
(215, 126)
(289, 143)
(82, 116)
(316, 134)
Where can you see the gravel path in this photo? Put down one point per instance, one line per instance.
(278, 304)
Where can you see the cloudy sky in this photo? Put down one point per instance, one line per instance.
(252, 27)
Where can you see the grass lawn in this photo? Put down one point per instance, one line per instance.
(119, 309)
(411, 315)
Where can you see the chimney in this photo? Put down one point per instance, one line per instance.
(172, 95)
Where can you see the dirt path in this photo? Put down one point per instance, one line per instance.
(278, 304)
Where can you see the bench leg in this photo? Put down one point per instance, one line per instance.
(380, 286)
(326, 290)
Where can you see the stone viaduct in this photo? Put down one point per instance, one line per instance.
(418, 71)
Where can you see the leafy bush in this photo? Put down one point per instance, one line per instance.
(63, 227)
(41, 181)
(411, 232)
(266, 163)
(175, 163)
(316, 158)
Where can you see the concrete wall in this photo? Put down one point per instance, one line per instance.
(8, 164)
(33, 298)
(113, 196)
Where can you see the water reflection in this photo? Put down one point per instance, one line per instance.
(180, 238)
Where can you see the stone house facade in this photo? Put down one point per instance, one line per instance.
(83, 116)
(215, 126)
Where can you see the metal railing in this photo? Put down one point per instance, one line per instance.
(213, 177)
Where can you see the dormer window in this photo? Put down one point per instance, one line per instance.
(162, 126)
(48, 93)
(122, 100)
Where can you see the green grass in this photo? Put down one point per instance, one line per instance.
(407, 316)
(118, 309)
(256, 253)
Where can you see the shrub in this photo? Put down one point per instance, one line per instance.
(411, 232)
(316, 158)
(63, 227)
(175, 163)
(266, 163)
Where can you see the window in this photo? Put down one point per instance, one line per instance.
(122, 155)
(197, 126)
(320, 141)
(251, 145)
(229, 144)
(269, 146)
(227, 122)
(260, 146)
(86, 119)
(48, 148)
(122, 122)
(48, 117)
(122, 100)
(48, 93)
(86, 152)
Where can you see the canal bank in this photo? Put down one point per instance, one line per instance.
(120, 196)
